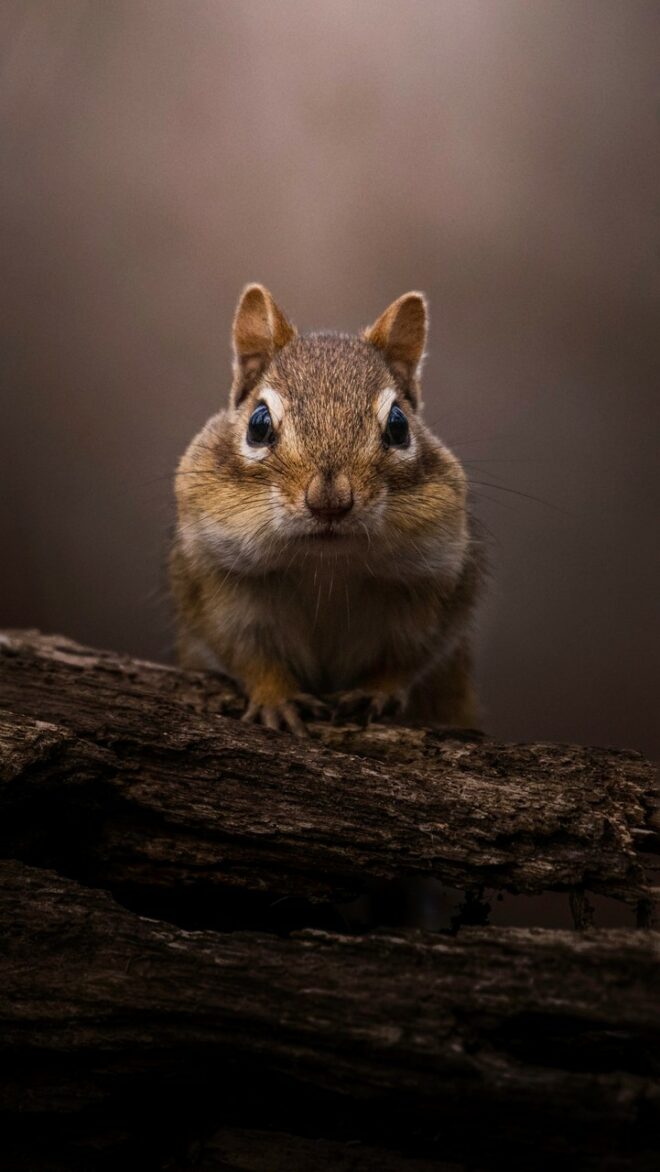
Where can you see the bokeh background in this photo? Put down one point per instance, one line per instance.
(502, 155)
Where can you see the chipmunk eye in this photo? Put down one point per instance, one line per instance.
(397, 431)
(260, 426)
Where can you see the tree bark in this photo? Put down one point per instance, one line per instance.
(248, 1150)
(137, 1040)
(427, 1042)
(129, 776)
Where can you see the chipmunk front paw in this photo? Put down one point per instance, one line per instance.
(365, 704)
(287, 714)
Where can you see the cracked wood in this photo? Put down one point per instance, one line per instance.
(132, 775)
(408, 1037)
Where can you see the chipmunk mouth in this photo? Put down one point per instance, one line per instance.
(327, 533)
(330, 532)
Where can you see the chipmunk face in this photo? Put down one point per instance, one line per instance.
(322, 451)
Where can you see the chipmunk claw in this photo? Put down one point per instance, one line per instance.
(364, 705)
(313, 706)
(281, 716)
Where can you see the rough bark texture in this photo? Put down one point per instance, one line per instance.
(124, 773)
(414, 1038)
(242, 1150)
(137, 1041)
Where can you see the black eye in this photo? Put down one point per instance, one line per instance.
(260, 427)
(397, 432)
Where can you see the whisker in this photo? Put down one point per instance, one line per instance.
(526, 495)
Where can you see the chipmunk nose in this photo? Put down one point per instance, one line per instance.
(328, 497)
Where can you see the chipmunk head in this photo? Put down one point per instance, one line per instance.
(322, 449)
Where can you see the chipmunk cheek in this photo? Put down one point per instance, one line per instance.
(279, 510)
(253, 453)
(405, 454)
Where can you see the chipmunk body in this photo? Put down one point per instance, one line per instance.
(323, 543)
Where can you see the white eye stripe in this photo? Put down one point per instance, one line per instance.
(409, 453)
(274, 403)
(383, 405)
(254, 451)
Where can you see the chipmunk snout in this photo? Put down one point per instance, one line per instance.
(329, 497)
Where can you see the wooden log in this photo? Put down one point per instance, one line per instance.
(467, 1048)
(236, 1149)
(127, 775)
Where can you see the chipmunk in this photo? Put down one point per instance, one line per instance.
(323, 543)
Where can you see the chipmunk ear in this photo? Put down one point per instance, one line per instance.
(260, 329)
(400, 333)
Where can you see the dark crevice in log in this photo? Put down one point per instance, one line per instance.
(116, 1026)
(243, 1150)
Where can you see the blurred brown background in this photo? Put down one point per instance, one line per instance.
(502, 155)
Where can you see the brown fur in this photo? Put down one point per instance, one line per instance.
(377, 603)
(400, 333)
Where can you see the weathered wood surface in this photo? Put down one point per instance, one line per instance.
(128, 775)
(429, 1043)
(244, 1150)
